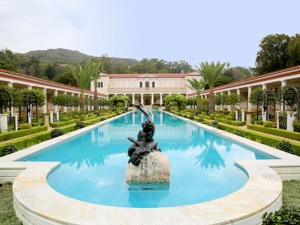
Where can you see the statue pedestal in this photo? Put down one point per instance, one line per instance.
(153, 168)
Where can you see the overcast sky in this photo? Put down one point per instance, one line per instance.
(191, 30)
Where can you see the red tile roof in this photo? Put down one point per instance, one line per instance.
(42, 82)
(157, 75)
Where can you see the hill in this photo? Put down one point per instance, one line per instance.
(66, 56)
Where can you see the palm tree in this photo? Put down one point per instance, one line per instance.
(83, 77)
(197, 85)
(210, 73)
(96, 68)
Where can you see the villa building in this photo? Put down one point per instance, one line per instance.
(150, 89)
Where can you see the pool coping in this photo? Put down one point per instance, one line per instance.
(36, 202)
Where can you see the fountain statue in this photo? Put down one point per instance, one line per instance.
(146, 164)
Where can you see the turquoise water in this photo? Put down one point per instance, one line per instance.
(93, 164)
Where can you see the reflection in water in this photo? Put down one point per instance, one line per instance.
(150, 194)
(210, 158)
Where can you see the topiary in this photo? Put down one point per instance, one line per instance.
(217, 115)
(76, 117)
(285, 146)
(55, 133)
(268, 124)
(8, 149)
(79, 125)
(285, 216)
(82, 117)
(215, 124)
(25, 126)
(212, 116)
(296, 126)
(191, 117)
(64, 119)
(238, 132)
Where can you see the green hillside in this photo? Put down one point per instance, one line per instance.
(66, 56)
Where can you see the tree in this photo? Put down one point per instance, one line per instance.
(66, 78)
(237, 73)
(197, 85)
(51, 70)
(83, 76)
(176, 100)
(294, 51)
(273, 53)
(96, 68)
(210, 73)
(234, 99)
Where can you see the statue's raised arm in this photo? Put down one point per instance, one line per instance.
(143, 111)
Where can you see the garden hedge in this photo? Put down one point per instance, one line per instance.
(275, 131)
(64, 123)
(21, 133)
(44, 136)
(264, 138)
(231, 122)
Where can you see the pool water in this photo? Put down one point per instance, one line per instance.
(93, 164)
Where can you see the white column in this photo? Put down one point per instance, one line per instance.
(264, 86)
(10, 84)
(142, 99)
(221, 106)
(78, 108)
(133, 99)
(3, 123)
(45, 103)
(249, 104)
(160, 99)
(55, 106)
(152, 99)
(65, 107)
(29, 87)
(283, 84)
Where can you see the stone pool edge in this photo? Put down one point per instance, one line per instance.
(36, 202)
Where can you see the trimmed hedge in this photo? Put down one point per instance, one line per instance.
(21, 133)
(64, 123)
(265, 138)
(231, 122)
(275, 131)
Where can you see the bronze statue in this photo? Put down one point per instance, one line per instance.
(144, 143)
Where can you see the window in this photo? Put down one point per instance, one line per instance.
(147, 84)
(100, 84)
(153, 84)
(141, 84)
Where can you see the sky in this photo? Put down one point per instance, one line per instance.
(173, 30)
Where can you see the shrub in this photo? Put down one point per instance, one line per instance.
(217, 115)
(285, 146)
(64, 119)
(76, 117)
(191, 117)
(21, 133)
(8, 149)
(200, 119)
(238, 132)
(268, 124)
(215, 124)
(296, 126)
(55, 133)
(286, 215)
(212, 116)
(229, 118)
(79, 125)
(25, 126)
(82, 117)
